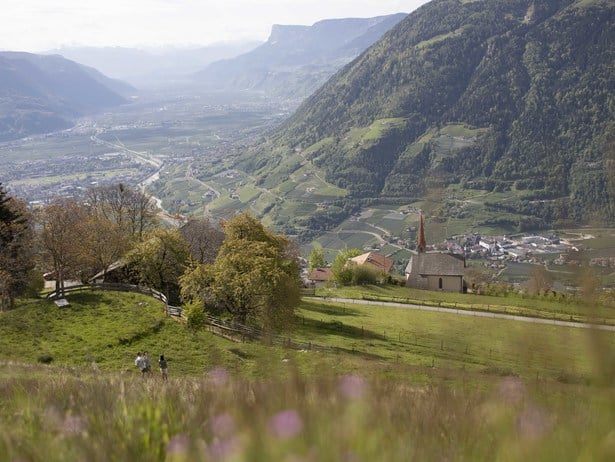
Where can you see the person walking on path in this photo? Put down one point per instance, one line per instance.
(164, 370)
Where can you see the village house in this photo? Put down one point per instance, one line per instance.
(434, 270)
(320, 276)
(374, 260)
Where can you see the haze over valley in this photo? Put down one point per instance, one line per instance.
(336, 133)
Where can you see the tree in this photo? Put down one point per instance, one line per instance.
(475, 278)
(204, 239)
(16, 262)
(255, 277)
(106, 244)
(341, 269)
(540, 280)
(61, 225)
(159, 260)
(316, 259)
(133, 211)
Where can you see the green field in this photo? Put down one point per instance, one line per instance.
(391, 384)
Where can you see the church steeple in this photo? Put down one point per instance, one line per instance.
(421, 244)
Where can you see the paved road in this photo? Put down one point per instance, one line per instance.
(480, 314)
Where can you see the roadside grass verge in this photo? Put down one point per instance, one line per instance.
(513, 304)
(453, 342)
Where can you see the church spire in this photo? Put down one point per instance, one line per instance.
(421, 245)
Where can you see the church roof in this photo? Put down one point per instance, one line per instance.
(436, 264)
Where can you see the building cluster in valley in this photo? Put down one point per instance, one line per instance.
(442, 266)
(518, 248)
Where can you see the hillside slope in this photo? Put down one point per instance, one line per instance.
(39, 94)
(511, 96)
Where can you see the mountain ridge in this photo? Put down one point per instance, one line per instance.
(40, 93)
(295, 60)
(535, 79)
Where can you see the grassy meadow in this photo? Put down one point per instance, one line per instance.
(394, 384)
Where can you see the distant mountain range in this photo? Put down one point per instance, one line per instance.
(296, 60)
(508, 96)
(146, 68)
(39, 94)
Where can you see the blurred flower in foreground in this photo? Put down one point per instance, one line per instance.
(73, 425)
(218, 376)
(178, 445)
(352, 386)
(222, 425)
(286, 424)
(223, 449)
(511, 390)
(533, 424)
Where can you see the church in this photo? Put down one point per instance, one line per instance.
(434, 270)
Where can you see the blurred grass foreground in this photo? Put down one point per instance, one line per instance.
(395, 385)
(59, 414)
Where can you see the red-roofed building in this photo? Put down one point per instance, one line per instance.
(375, 261)
(320, 276)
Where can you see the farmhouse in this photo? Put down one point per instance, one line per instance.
(434, 270)
(320, 276)
(374, 260)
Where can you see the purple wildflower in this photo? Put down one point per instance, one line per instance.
(73, 425)
(218, 376)
(178, 445)
(223, 449)
(222, 425)
(286, 424)
(352, 386)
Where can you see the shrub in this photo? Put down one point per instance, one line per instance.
(362, 275)
(195, 311)
(45, 359)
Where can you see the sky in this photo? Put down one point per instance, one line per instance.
(39, 25)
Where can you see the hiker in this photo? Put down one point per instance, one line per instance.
(139, 361)
(147, 364)
(163, 367)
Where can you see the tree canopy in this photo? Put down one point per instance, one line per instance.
(16, 260)
(255, 277)
(159, 260)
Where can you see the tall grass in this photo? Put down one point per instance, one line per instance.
(54, 414)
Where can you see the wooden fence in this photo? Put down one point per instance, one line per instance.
(222, 327)
(119, 287)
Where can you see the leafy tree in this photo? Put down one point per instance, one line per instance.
(15, 249)
(255, 277)
(341, 269)
(363, 275)
(316, 259)
(159, 261)
(61, 224)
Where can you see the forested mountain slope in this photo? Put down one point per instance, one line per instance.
(505, 95)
